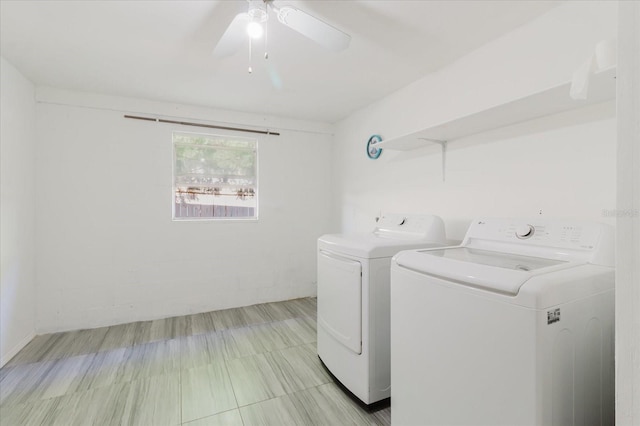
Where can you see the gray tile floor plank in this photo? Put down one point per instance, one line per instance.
(61, 377)
(150, 359)
(163, 329)
(101, 406)
(36, 350)
(383, 416)
(205, 391)
(279, 335)
(239, 342)
(4, 372)
(320, 405)
(143, 333)
(61, 345)
(69, 344)
(304, 328)
(22, 382)
(28, 414)
(119, 336)
(202, 323)
(254, 379)
(280, 312)
(228, 418)
(298, 368)
(328, 405)
(201, 349)
(229, 318)
(102, 371)
(153, 401)
(302, 307)
(182, 326)
(260, 338)
(274, 412)
(181, 370)
(261, 314)
(87, 341)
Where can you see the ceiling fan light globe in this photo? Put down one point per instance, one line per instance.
(258, 11)
(255, 30)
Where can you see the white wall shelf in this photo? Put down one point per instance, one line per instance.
(602, 87)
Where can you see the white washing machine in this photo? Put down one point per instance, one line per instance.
(513, 327)
(353, 299)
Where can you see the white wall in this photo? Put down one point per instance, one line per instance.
(628, 226)
(17, 216)
(562, 165)
(108, 251)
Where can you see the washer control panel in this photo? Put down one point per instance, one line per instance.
(538, 232)
(525, 231)
(561, 239)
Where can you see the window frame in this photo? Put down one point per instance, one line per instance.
(195, 219)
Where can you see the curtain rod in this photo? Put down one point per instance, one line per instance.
(125, 111)
(208, 126)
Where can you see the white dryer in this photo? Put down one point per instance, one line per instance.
(512, 327)
(353, 299)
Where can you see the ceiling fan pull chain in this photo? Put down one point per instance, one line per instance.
(266, 38)
(250, 69)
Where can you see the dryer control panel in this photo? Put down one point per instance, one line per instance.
(421, 226)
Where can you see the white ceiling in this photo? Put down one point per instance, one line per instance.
(161, 50)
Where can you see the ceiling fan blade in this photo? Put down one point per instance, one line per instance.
(233, 37)
(313, 28)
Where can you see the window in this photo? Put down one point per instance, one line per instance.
(214, 177)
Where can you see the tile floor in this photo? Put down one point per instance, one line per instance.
(255, 365)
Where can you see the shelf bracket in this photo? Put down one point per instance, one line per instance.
(443, 146)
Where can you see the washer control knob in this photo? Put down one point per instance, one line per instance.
(525, 231)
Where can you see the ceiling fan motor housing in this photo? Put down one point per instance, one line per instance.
(258, 11)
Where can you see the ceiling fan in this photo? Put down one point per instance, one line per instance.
(252, 24)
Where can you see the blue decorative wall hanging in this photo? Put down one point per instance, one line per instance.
(373, 151)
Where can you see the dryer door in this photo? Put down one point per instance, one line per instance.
(340, 299)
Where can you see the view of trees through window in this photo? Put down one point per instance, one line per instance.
(214, 176)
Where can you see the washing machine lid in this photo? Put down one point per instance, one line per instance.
(489, 270)
(371, 246)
